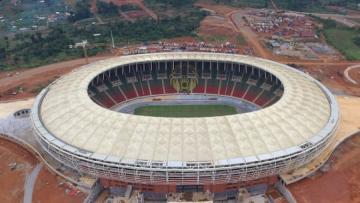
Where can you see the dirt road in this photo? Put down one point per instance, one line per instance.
(151, 13)
(139, 3)
(236, 17)
(274, 5)
(94, 10)
(32, 78)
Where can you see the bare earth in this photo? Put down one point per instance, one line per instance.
(31, 80)
(12, 181)
(341, 184)
(47, 188)
(47, 183)
(355, 74)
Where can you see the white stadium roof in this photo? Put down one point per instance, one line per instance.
(69, 115)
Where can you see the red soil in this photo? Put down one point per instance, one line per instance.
(341, 184)
(31, 80)
(12, 181)
(355, 75)
(47, 188)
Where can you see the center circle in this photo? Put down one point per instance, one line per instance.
(183, 88)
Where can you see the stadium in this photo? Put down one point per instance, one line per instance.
(277, 119)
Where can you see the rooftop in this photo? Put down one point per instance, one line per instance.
(301, 116)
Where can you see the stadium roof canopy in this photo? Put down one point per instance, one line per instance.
(75, 122)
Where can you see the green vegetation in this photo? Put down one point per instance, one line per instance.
(345, 39)
(186, 110)
(244, 3)
(315, 5)
(82, 11)
(351, 4)
(31, 49)
(349, 43)
(27, 13)
(35, 49)
(356, 41)
(217, 38)
(129, 7)
(172, 8)
(241, 40)
(170, 3)
(297, 5)
(107, 9)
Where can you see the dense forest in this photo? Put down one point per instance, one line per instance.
(34, 49)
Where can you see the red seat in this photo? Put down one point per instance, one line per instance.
(222, 88)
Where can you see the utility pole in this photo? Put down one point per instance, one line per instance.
(85, 54)
(112, 40)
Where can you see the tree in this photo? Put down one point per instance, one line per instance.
(7, 43)
(2, 53)
(356, 41)
(104, 8)
(82, 11)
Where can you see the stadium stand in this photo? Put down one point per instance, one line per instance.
(219, 154)
(244, 82)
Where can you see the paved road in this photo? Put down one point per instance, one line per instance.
(30, 183)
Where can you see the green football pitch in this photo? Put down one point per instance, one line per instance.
(185, 110)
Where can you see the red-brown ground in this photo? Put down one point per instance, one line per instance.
(341, 184)
(12, 181)
(212, 26)
(47, 188)
(181, 40)
(139, 3)
(50, 188)
(355, 74)
(32, 80)
(217, 24)
(220, 9)
(332, 75)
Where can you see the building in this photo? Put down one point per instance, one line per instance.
(75, 122)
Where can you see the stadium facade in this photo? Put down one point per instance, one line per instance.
(75, 122)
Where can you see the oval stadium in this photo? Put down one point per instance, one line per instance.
(185, 121)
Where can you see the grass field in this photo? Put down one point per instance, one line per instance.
(241, 40)
(185, 110)
(342, 39)
(217, 38)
